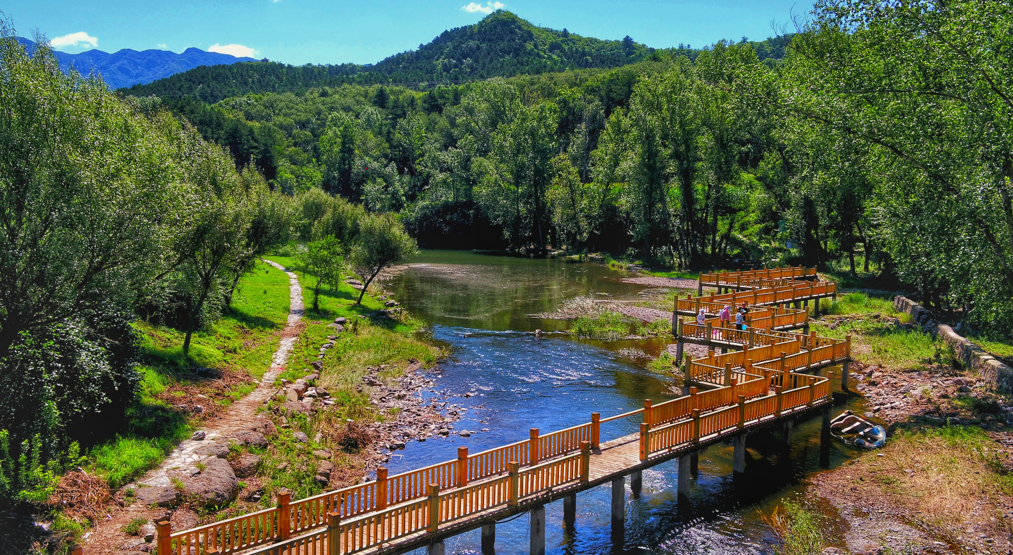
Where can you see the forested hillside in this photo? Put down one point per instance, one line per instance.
(501, 45)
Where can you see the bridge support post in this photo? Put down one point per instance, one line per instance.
(570, 514)
(489, 539)
(679, 348)
(825, 438)
(436, 548)
(786, 429)
(739, 458)
(618, 501)
(683, 487)
(694, 465)
(537, 530)
(846, 367)
(636, 483)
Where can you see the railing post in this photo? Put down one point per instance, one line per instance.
(334, 533)
(284, 515)
(648, 414)
(515, 483)
(696, 426)
(585, 461)
(728, 374)
(533, 446)
(434, 508)
(812, 390)
(645, 430)
(783, 355)
(75, 550)
(830, 381)
(710, 331)
(381, 488)
(687, 369)
(778, 390)
(742, 411)
(848, 348)
(735, 389)
(752, 336)
(164, 532)
(595, 429)
(693, 400)
(462, 466)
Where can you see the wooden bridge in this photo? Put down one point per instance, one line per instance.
(762, 377)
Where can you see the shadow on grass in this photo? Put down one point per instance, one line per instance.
(250, 320)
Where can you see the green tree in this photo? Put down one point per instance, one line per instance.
(381, 242)
(324, 260)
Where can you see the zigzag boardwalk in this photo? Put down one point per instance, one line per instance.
(762, 377)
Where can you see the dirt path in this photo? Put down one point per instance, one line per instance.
(107, 536)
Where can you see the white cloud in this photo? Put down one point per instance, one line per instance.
(162, 45)
(75, 39)
(489, 7)
(236, 50)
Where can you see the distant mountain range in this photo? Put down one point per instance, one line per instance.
(501, 45)
(130, 67)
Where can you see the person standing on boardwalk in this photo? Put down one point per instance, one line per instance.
(725, 316)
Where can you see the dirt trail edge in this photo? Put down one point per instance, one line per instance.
(107, 536)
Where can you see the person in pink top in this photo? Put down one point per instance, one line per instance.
(725, 316)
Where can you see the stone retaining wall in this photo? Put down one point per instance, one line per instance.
(969, 354)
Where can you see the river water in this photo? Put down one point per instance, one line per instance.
(510, 381)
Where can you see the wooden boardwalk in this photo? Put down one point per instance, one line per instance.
(762, 377)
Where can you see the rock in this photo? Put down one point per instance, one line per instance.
(198, 435)
(311, 392)
(295, 406)
(184, 519)
(267, 428)
(340, 320)
(331, 337)
(147, 532)
(300, 437)
(390, 304)
(964, 389)
(252, 439)
(465, 433)
(321, 392)
(328, 345)
(246, 466)
(322, 453)
(337, 327)
(291, 394)
(317, 364)
(161, 496)
(300, 387)
(215, 486)
(310, 378)
(318, 438)
(324, 470)
(833, 551)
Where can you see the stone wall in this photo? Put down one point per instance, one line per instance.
(969, 354)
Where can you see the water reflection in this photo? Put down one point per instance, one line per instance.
(510, 381)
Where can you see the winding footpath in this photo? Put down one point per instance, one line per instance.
(107, 536)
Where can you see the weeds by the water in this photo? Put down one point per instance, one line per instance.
(604, 326)
(664, 364)
(797, 528)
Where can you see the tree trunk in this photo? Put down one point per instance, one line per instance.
(366, 285)
(235, 282)
(193, 315)
(851, 259)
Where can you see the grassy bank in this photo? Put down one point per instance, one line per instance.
(878, 333)
(177, 394)
(929, 486)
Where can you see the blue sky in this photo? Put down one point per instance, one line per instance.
(338, 31)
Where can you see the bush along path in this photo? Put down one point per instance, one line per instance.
(197, 473)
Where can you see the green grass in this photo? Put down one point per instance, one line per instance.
(664, 364)
(861, 303)
(874, 339)
(241, 343)
(798, 528)
(604, 326)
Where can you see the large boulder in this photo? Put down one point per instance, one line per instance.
(161, 496)
(212, 449)
(252, 439)
(214, 486)
(245, 466)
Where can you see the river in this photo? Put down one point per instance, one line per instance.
(510, 380)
